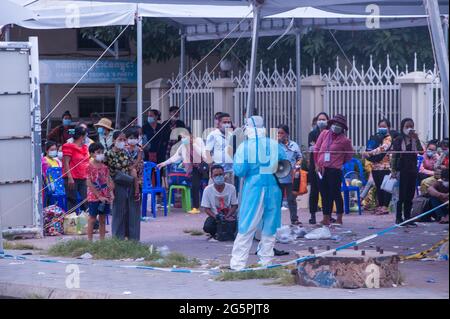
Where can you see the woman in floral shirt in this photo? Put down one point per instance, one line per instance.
(125, 213)
(382, 167)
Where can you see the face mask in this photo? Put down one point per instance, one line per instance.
(133, 141)
(219, 180)
(60, 155)
(53, 153)
(382, 130)
(150, 120)
(185, 140)
(176, 118)
(100, 130)
(445, 184)
(406, 131)
(120, 145)
(99, 157)
(226, 126)
(336, 129)
(430, 153)
(322, 124)
(66, 122)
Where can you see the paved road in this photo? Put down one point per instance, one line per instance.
(33, 280)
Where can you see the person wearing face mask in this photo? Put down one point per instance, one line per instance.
(438, 193)
(331, 151)
(429, 161)
(191, 152)
(256, 161)
(294, 156)
(126, 223)
(60, 153)
(406, 147)
(168, 126)
(87, 141)
(100, 192)
(217, 144)
(61, 134)
(320, 124)
(50, 159)
(136, 153)
(153, 132)
(104, 131)
(381, 166)
(75, 163)
(442, 162)
(219, 202)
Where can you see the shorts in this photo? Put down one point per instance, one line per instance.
(94, 209)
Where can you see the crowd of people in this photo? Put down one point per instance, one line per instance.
(103, 172)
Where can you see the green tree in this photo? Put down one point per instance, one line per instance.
(161, 42)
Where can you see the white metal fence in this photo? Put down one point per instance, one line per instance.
(364, 97)
(199, 98)
(275, 96)
(362, 94)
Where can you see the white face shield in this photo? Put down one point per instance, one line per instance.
(254, 127)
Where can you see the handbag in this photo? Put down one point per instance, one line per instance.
(389, 183)
(300, 182)
(123, 179)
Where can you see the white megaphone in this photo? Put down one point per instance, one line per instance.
(284, 169)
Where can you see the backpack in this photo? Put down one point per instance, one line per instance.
(226, 230)
(375, 141)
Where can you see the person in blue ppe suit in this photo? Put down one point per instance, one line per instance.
(261, 196)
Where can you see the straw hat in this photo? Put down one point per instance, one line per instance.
(104, 122)
(339, 119)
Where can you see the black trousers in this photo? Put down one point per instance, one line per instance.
(383, 197)
(407, 188)
(314, 192)
(291, 199)
(71, 194)
(330, 189)
(196, 179)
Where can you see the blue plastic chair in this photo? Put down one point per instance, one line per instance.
(419, 163)
(55, 192)
(347, 170)
(149, 188)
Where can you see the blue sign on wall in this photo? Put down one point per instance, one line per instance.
(70, 71)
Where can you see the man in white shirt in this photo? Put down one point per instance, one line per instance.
(217, 143)
(220, 203)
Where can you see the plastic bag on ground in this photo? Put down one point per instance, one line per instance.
(163, 251)
(283, 235)
(319, 233)
(76, 225)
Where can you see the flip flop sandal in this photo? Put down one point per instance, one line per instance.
(280, 252)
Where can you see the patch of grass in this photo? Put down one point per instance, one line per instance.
(193, 232)
(110, 248)
(275, 273)
(17, 246)
(174, 259)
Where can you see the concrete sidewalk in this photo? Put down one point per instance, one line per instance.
(30, 279)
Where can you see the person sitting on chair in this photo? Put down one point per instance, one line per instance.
(219, 201)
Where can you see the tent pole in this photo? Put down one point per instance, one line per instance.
(139, 69)
(182, 69)
(251, 87)
(298, 95)
(47, 107)
(117, 89)
(440, 47)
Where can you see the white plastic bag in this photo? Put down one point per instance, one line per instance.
(283, 235)
(319, 233)
(388, 184)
